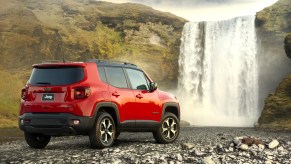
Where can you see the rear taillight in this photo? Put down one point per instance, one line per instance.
(24, 93)
(82, 92)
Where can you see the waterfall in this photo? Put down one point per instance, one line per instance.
(218, 83)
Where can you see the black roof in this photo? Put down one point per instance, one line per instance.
(97, 61)
(112, 63)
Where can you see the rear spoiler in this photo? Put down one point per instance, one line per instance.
(67, 64)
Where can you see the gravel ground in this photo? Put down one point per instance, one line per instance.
(195, 145)
(8, 135)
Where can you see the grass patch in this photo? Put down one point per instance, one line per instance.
(8, 122)
(10, 86)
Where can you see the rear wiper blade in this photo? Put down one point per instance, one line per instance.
(44, 83)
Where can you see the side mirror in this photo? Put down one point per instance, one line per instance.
(153, 86)
(142, 87)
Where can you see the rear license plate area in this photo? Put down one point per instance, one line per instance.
(48, 97)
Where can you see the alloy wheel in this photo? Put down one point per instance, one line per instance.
(106, 131)
(169, 128)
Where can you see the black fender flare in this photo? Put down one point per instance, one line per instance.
(171, 104)
(104, 104)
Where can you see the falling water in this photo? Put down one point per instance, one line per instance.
(218, 83)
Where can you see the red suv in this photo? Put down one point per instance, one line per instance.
(95, 98)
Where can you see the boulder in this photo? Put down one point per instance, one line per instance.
(277, 110)
(250, 141)
(198, 152)
(208, 160)
(261, 147)
(244, 147)
(273, 144)
(186, 146)
(179, 157)
(237, 140)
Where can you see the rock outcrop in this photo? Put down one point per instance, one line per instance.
(273, 24)
(277, 111)
(275, 21)
(287, 46)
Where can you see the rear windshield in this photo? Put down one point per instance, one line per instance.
(56, 76)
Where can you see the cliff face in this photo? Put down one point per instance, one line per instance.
(287, 45)
(273, 25)
(277, 110)
(276, 19)
(33, 31)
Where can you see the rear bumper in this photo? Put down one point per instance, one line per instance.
(55, 124)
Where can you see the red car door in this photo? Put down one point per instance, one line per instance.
(147, 104)
(121, 94)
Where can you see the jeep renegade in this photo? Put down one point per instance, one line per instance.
(95, 98)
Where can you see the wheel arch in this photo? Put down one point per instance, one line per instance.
(171, 107)
(111, 109)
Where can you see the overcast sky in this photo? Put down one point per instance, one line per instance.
(205, 10)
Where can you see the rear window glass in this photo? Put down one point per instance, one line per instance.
(56, 76)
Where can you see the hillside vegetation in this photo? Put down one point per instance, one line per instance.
(32, 31)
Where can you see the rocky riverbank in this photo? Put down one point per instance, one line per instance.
(195, 145)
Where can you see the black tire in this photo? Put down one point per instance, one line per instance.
(100, 135)
(37, 141)
(169, 129)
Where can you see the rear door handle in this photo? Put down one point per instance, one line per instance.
(115, 94)
(139, 96)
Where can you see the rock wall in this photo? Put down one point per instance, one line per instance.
(287, 45)
(275, 19)
(273, 25)
(277, 110)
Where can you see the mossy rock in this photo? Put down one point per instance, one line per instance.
(277, 110)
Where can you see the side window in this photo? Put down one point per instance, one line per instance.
(137, 79)
(102, 75)
(116, 77)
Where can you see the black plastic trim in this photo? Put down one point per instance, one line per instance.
(139, 126)
(101, 105)
(55, 124)
(171, 104)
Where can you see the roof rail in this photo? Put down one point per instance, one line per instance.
(53, 61)
(109, 61)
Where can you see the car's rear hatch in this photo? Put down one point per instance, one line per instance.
(51, 87)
